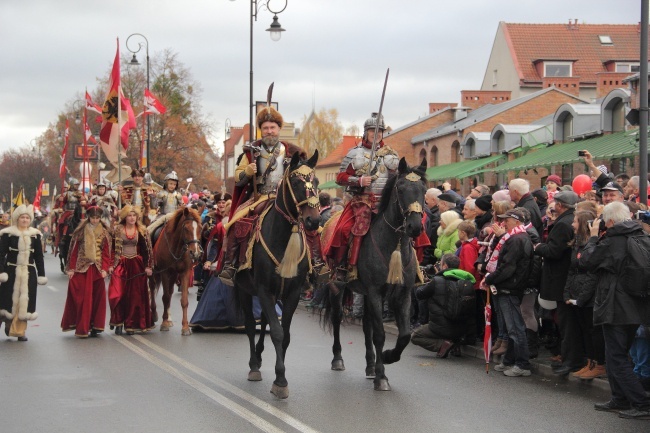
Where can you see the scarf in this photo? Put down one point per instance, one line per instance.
(492, 263)
(91, 235)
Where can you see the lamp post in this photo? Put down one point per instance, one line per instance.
(276, 32)
(134, 62)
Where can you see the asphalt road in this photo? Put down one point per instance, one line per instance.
(163, 382)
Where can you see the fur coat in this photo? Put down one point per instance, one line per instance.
(21, 269)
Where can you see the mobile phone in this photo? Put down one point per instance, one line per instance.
(581, 153)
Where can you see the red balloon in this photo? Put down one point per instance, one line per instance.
(185, 199)
(581, 184)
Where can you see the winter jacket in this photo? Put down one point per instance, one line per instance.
(431, 229)
(528, 201)
(468, 256)
(447, 239)
(580, 283)
(436, 293)
(513, 266)
(556, 253)
(605, 257)
(535, 276)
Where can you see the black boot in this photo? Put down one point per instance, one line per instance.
(533, 346)
(227, 275)
(320, 271)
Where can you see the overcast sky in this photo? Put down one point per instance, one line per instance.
(333, 54)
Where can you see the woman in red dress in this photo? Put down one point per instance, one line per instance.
(128, 293)
(89, 260)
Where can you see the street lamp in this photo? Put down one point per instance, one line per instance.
(276, 32)
(134, 62)
(77, 119)
(227, 126)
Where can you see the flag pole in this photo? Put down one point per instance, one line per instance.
(11, 202)
(144, 114)
(119, 128)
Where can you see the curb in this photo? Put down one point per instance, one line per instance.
(538, 367)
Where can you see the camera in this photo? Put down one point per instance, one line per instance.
(644, 216)
(582, 153)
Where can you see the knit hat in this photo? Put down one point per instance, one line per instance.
(484, 202)
(501, 195)
(555, 179)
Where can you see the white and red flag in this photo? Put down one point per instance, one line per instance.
(90, 105)
(89, 135)
(62, 168)
(152, 105)
(117, 116)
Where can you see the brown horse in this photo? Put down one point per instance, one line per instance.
(176, 251)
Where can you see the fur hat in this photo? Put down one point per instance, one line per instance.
(484, 202)
(269, 114)
(555, 179)
(126, 210)
(22, 210)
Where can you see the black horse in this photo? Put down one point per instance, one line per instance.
(383, 275)
(68, 226)
(280, 264)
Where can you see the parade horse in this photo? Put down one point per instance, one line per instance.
(387, 269)
(176, 249)
(66, 225)
(279, 266)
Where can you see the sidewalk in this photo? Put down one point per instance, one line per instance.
(541, 365)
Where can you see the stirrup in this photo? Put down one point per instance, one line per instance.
(341, 274)
(320, 273)
(352, 273)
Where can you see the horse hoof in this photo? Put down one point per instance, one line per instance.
(382, 385)
(280, 392)
(370, 372)
(164, 328)
(254, 376)
(186, 332)
(337, 365)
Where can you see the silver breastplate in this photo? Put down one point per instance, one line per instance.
(269, 183)
(72, 201)
(359, 158)
(136, 199)
(169, 202)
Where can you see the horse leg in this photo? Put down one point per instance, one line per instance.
(185, 281)
(367, 337)
(259, 347)
(153, 283)
(336, 316)
(402, 310)
(289, 305)
(254, 362)
(373, 314)
(168, 286)
(280, 387)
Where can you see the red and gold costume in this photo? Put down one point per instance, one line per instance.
(90, 254)
(128, 292)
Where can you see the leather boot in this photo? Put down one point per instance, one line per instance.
(319, 267)
(339, 257)
(502, 349)
(227, 275)
(355, 247)
(533, 345)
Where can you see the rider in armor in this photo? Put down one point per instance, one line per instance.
(257, 175)
(73, 197)
(169, 199)
(137, 194)
(104, 200)
(364, 179)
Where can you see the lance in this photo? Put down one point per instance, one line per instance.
(374, 139)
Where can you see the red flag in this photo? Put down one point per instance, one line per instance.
(117, 115)
(65, 150)
(90, 105)
(487, 337)
(152, 105)
(37, 199)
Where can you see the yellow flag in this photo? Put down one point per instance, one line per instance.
(20, 199)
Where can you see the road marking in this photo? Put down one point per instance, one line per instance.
(52, 288)
(282, 416)
(244, 413)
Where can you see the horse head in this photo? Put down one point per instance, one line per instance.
(188, 224)
(407, 190)
(302, 185)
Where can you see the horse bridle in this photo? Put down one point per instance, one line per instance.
(412, 207)
(306, 175)
(186, 245)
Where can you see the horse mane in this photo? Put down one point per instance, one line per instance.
(177, 218)
(390, 184)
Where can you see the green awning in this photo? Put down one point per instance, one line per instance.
(460, 170)
(329, 185)
(619, 145)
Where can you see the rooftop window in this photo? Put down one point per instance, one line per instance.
(605, 40)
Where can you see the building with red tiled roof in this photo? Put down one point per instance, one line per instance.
(586, 60)
(328, 167)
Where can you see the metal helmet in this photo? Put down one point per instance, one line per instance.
(371, 122)
(171, 176)
(101, 183)
(73, 181)
(147, 179)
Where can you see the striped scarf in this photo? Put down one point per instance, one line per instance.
(494, 258)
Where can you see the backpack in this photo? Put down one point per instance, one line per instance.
(636, 270)
(460, 300)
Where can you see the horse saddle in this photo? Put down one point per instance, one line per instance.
(156, 234)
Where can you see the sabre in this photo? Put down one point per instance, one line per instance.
(269, 95)
(374, 139)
